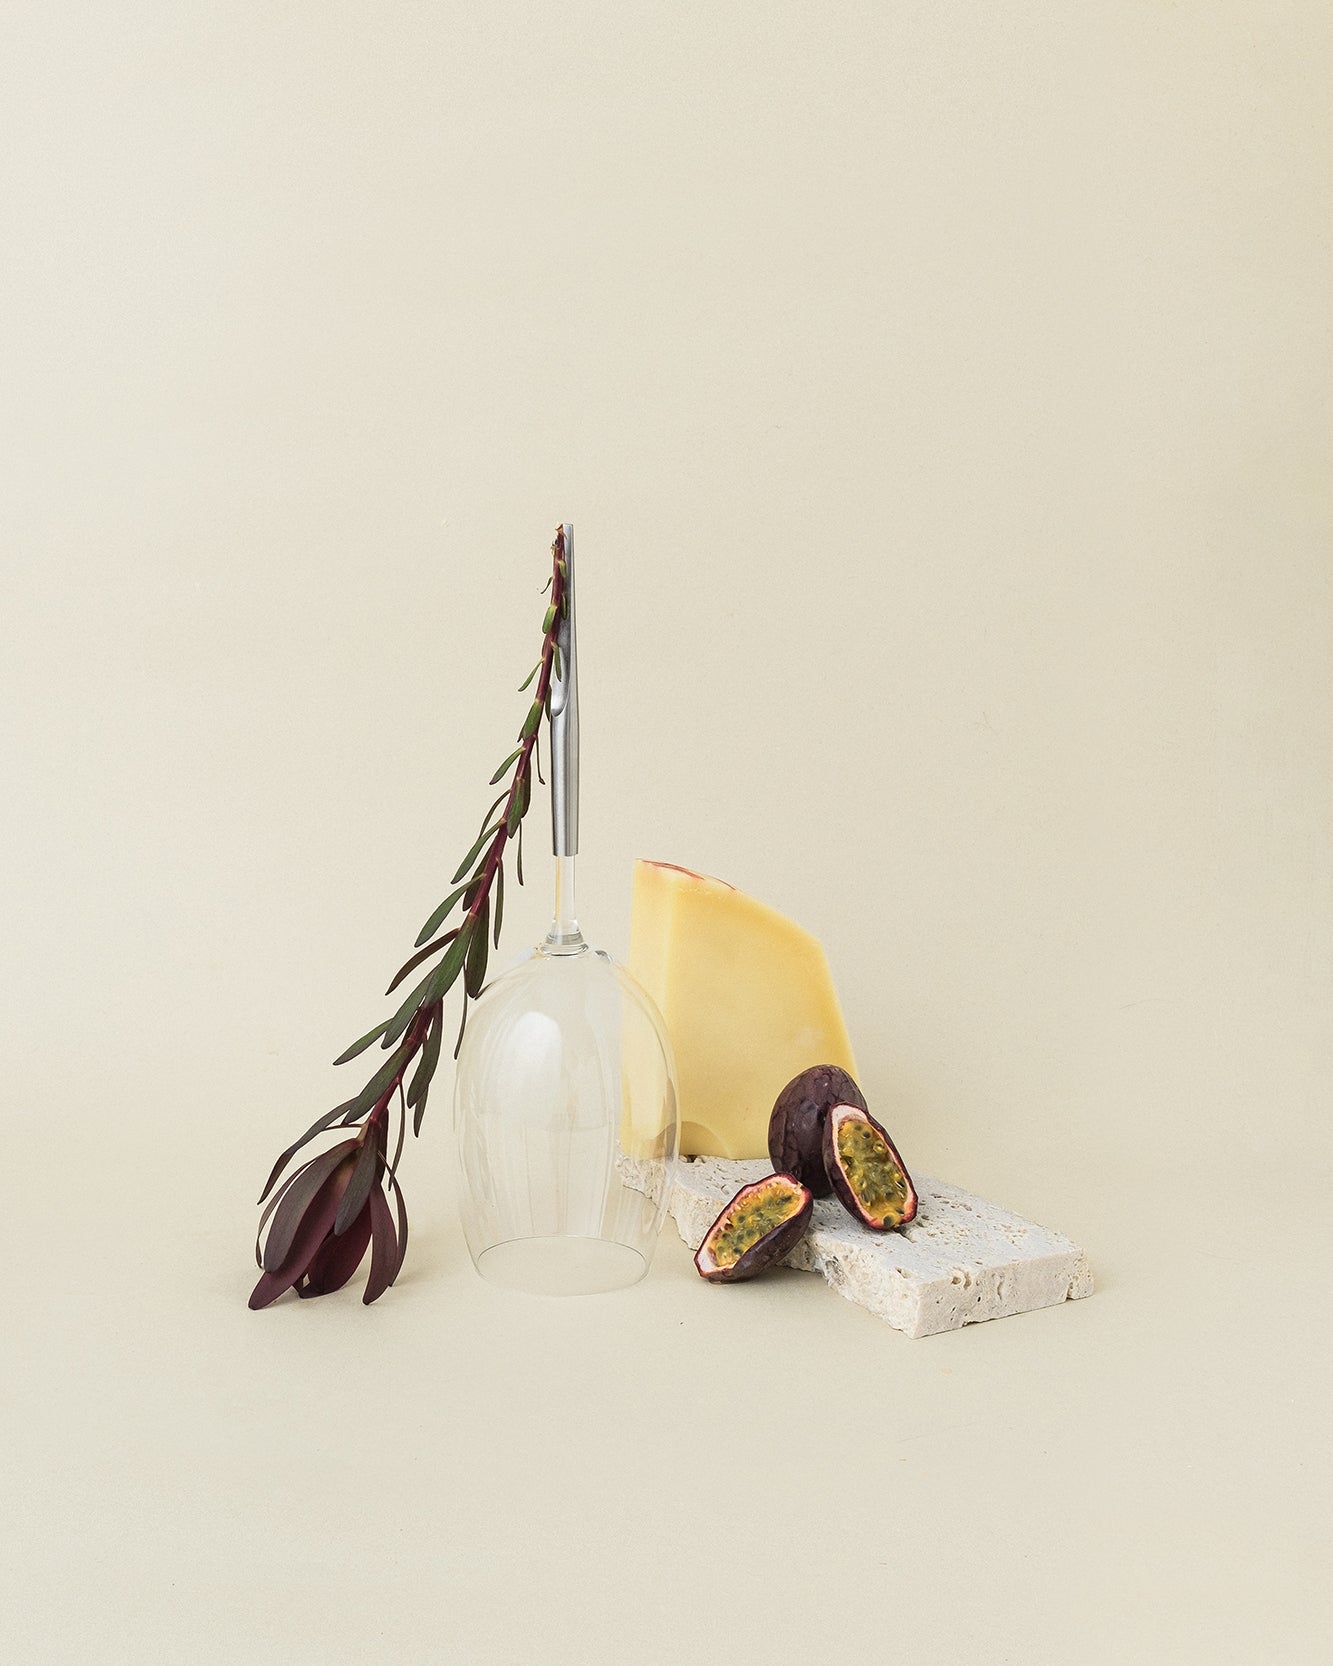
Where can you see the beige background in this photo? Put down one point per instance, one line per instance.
(941, 393)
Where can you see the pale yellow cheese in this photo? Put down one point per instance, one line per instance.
(747, 998)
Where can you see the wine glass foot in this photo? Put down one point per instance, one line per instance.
(562, 1266)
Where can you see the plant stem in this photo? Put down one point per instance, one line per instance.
(415, 1036)
(495, 854)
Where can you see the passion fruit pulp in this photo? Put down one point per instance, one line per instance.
(761, 1223)
(796, 1126)
(868, 1175)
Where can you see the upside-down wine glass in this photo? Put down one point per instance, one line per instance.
(565, 1095)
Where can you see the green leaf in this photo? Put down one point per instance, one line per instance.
(545, 587)
(380, 1081)
(445, 974)
(485, 820)
(549, 620)
(438, 917)
(472, 855)
(518, 806)
(416, 960)
(519, 862)
(531, 674)
(499, 901)
(533, 718)
(403, 1017)
(474, 973)
(556, 662)
(425, 1070)
(504, 766)
(365, 1041)
(462, 1025)
(430, 1057)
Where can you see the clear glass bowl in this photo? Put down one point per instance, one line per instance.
(566, 1121)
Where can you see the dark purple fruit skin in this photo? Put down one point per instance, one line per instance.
(846, 1196)
(796, 1127)
(769, 1249)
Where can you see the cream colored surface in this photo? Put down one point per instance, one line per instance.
(941, 393)
(747, 999)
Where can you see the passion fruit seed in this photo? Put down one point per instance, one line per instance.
(761, 1223)
(796, 1125)
(868, 1175)
(874, 1176)
(748, 1223)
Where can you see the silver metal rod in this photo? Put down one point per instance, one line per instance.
(565, 722)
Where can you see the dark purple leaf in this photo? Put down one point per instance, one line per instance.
(273, 1203)
(316, 1127)
(337, 1259)
(270, 1286)
(365, 1171)
(402, 1226)
(383, 1248)
(294, 1206)
(313, 1230)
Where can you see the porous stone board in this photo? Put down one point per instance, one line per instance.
(961, 1260)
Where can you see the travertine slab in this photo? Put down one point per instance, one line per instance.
(960, 1261)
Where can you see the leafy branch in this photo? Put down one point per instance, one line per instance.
(412, 1036)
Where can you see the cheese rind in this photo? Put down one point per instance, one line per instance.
(747, 999)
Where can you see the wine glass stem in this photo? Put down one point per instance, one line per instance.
(566, 925)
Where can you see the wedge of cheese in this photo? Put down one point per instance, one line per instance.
(747, 998)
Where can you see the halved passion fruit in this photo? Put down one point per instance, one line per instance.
(796, 1126)
(867, 1173)
(762, 1222)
